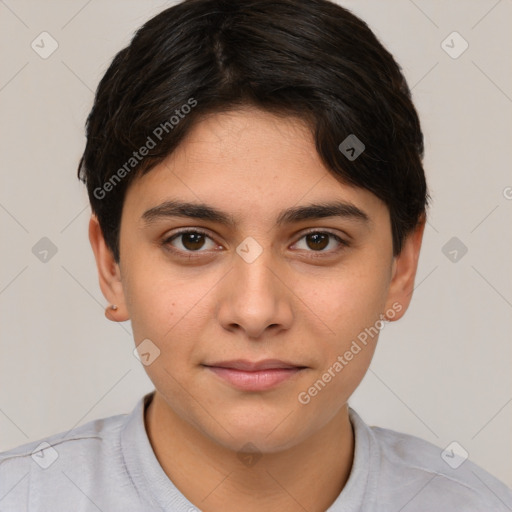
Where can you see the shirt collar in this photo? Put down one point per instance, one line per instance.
(155, 487)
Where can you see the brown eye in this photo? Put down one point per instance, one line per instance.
(317, 241)
(321, 242)
(190, 241)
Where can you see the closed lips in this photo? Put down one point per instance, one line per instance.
(249, 366)
(251, 376)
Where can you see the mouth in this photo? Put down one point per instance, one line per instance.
(254, 376)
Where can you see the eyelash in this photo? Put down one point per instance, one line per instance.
(195, 254)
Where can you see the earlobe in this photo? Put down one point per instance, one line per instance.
(110, 312)
(404, 270)
(109, 274)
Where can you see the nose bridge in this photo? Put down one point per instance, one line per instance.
(254, 298)
(254, 282)
(255, 278)
(252, 261)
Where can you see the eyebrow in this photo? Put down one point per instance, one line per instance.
(201, 211)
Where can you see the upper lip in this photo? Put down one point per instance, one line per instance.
(252, 366)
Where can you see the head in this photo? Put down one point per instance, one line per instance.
(255, 174)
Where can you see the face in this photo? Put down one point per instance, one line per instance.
(256, 276)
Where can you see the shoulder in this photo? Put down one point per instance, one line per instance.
(89, 439)
(429, 477)
(29, 471)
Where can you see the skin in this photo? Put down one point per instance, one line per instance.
(297, 302)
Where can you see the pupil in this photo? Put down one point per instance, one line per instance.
(193, 241)
(319, 240)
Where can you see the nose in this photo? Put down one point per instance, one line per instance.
(254, 299)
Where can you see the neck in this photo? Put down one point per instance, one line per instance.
(308, 476)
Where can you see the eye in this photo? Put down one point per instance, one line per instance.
(317, 241)
(190, 240)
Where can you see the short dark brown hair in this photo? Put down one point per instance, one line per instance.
(312, 59)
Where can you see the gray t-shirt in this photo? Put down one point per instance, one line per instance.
(109, 465)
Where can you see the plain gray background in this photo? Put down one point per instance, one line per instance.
(441, 373)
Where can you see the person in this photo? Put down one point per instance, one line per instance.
(258, 199)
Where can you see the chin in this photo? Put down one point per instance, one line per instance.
(268, 433)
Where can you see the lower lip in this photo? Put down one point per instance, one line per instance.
(260, 380)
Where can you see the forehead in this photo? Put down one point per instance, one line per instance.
(246, 162)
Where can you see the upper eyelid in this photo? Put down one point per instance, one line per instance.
(323, 230)
(182, 231)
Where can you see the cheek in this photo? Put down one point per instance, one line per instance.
(350, 306)
(348, 301)
(166, 310)
(170, 308)
(351, 309)
(156, 301)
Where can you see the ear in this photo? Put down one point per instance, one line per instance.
(108, 272)
(404, 269)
